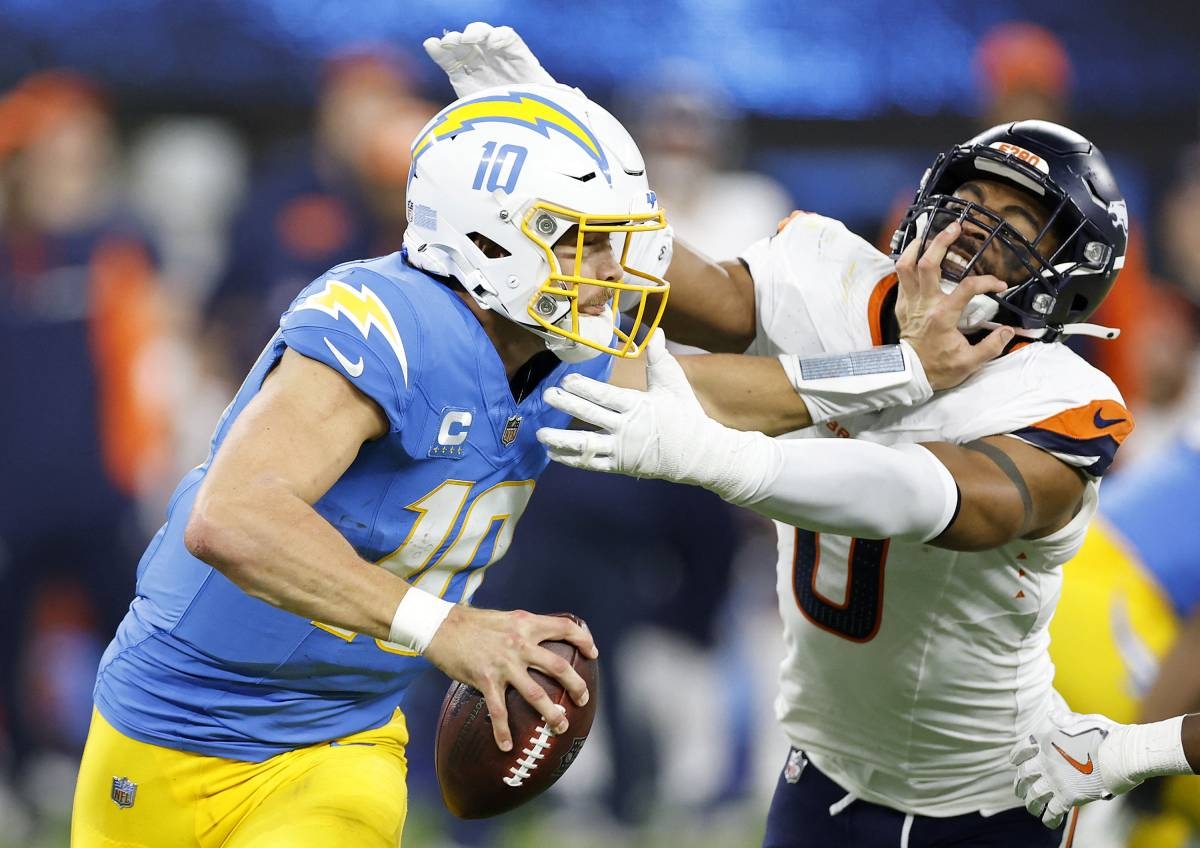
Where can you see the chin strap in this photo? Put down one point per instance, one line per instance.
(1095, 331)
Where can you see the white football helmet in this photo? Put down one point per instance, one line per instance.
(520, 165)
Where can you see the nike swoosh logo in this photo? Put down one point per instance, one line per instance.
(354, 369)
(1101, 423)
(1082, 768)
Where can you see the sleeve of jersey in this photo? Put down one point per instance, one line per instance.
(360, 325)
(814, 284)
(1085, 436)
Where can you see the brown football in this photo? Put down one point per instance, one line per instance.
(477, 778)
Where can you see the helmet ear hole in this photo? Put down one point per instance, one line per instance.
(490, 249)
(1079, 305)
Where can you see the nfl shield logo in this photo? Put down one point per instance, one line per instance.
(795, 765)
(123, 792)
(510, 430)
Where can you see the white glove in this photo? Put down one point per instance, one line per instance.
(1064, 766)
(482, 56)
(662, 432)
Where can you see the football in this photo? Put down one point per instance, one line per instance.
(477, 779)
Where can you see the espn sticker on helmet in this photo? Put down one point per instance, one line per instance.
(1022, 154)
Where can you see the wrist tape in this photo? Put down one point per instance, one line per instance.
(418, 617)
(1135, 752)
(862, 381)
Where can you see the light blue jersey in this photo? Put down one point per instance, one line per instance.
(199, 665)
(1155, 505)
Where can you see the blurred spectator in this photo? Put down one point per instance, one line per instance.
(1172, 355)
(1024, 72)
(81, 325)
(318, 202)
(1160, 371)
(690, 134)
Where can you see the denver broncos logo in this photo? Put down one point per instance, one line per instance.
(365, 310)
(520, 108)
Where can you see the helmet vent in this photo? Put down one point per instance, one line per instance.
(490, 249)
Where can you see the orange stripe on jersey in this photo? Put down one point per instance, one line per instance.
(1095, 420)
(796, 213)
(1090, 433)
(875, 306)
(1069, 839)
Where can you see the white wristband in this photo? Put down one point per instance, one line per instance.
(862, 381)
(1132, 753)
(418, 617)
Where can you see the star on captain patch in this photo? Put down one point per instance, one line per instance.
(510, 430)
(124, 791)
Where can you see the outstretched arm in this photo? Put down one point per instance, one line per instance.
(963, 497)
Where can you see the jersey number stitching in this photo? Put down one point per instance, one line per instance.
(856, 618)
(492, 516)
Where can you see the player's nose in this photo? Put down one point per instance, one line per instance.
(607, 267)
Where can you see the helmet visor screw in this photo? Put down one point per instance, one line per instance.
(545, 225)
(1043, 303)
(1096, 253)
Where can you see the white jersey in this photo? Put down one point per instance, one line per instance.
(911, 670)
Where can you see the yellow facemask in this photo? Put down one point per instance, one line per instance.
(547, 299)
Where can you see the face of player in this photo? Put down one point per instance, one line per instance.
(598, 261)
(1021, 210)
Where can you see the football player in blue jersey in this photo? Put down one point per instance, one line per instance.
(370, 469)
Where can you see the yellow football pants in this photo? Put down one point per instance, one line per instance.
(348, 793)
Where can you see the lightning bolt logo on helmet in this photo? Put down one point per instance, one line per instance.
(521, 108)
(364, 309)
(501, 177)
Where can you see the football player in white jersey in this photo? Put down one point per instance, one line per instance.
(920, 553)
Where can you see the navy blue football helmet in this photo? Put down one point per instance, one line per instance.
(1086, 213)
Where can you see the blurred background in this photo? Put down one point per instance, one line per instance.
(171, 174)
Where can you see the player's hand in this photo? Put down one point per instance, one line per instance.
(482, 56)
(492, 650)
(929, 318)
(661, 432)
(1063, 766)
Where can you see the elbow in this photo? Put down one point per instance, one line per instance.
(213, 537)
(200, 536)
(209, 533)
